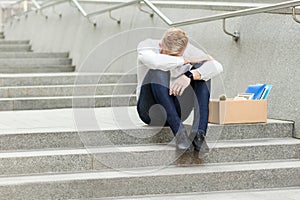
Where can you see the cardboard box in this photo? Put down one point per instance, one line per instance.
(237, 111)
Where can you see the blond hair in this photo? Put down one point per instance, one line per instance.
(174, 41)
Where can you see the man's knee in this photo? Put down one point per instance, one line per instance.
(208, 85)
(159, 74)
(160, 77)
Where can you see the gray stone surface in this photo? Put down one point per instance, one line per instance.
(67, 90)
(136, 156)
(33, 139)
(248, 131)
(275, 194)
(151, 181)
(64, 79)
(20, 163)
(163, 156)
(15, 48)
(21, 62)
(14, 42)
(215, 133)
(32, 55)
(38, 129)
(6, 104)
(37, 69)
(38, 103)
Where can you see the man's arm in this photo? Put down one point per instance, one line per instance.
(159, 61)
(210, 67)
(195, 54)
(208, 70)
(148, 55)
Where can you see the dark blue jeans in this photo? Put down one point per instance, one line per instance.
(157, 108)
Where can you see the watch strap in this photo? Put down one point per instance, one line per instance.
(189, 75)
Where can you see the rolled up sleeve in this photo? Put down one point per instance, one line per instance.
(159, 61)
(210, 69)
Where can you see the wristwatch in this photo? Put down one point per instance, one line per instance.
(189, 75)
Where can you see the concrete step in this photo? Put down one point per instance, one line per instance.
(51, 129)
(119, 157)
(66, 90)
(14, 42)
(36, 62)
(38, 103)
(292, 193)
(15, 48)
(64, 79)
(37, 69)
(32, 55)
(147, 181)
(165, 155)
(122, 135)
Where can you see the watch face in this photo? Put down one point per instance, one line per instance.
(189, 74)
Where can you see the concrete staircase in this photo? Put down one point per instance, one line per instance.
(17, 57)
(31, 80)
(43, 156)
(44, 164)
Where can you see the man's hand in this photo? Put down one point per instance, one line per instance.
(179, 85)
(196, 74)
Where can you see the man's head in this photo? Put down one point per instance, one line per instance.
(174, 42)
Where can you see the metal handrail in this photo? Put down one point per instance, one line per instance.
(238, 13)
(52, 3)
(224, 16)
(151, 5)
(12, 5)
(34, 2)
(17, 2)
(113, 8)
(294, 15)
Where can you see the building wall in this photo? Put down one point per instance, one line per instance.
(0, 19)
(268, 51)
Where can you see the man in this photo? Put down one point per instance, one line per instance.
(173, 78)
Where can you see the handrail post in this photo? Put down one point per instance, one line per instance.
(113, 18)
(145, 11)
(235, 35)
(294, 15)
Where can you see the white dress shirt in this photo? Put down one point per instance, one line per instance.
(149, 57)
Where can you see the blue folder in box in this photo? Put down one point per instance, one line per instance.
(266, 92)
(257, 90)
